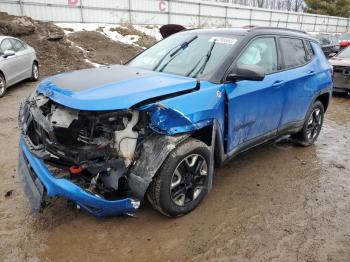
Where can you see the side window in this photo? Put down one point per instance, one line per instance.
(294, 53)
(17, 45)
(310, 50)
(261, 52)
(6, 45)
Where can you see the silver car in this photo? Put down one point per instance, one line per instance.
(17, 62)
(341, 69)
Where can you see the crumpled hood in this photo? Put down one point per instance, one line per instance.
(111, 87)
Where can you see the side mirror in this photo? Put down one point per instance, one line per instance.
(8, 53)
(332, 55)
(247, 72)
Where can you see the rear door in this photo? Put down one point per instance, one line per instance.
(24, 59)
(255, 107)
(300, 86)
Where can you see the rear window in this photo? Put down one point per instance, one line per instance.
(310, 50)
(345, 37)
(294, 53)
(345, 53)
(17, 45)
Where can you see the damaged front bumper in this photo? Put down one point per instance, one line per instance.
(39, 183)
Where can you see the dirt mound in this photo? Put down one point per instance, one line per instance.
(144, 40)
(16, 26)
(54, 52)
(59, 53)
(102, 50)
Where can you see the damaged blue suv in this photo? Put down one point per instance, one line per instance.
(110, 137)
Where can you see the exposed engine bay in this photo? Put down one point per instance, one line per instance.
(92, 149)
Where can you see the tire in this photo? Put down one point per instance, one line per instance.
(170, 191)
(3, 86)
(35, 72)
(312, 126)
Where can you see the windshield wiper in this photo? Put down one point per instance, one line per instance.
(174, 51)
(207, 57)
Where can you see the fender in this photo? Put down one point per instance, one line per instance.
(155, 150)
(328, 91)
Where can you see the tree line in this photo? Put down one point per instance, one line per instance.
(329, 7)
(322, 7)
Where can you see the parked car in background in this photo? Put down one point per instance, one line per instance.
(329, 43)
(341, 69)
(344, 40)
(107, 137)
(170, 29)
(18, 62)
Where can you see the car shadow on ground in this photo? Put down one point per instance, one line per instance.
(15, 89)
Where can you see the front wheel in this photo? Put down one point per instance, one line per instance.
(2, 85)
(312, 126)
(35, 72)
(182, 181)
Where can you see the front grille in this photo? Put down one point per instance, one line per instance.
(34, 134)
(41, 140)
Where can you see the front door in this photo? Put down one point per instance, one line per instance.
(255, 107)
(9, 64)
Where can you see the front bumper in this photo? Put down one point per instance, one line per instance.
(38, 182)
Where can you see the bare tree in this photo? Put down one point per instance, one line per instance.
(261, 3)
(299, 4)
(290, 5)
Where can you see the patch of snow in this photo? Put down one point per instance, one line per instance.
(150, 31)
(107, 30)
(92, 63)
(115, 36)
(80, 26)
(85, 52)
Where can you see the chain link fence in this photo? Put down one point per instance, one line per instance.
(193, 13)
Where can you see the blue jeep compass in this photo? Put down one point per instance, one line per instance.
(107, 138)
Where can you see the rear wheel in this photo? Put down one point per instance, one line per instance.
(182, 181)
(312, 126)
(35, 72)
(2, 85)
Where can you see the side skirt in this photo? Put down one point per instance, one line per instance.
(288, 129)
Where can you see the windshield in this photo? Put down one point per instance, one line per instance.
(187, 54)
(324, 39)
(345, 37)
(345, 53)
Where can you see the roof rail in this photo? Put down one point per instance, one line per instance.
(277, 28)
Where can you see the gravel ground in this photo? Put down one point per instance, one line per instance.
(278, 202)
(102, 50)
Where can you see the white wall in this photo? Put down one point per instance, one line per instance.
(188, 13)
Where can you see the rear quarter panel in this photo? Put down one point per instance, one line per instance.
(322, 80)
(304, 84)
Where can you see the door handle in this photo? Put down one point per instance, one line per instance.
(312, 72)
(278, 83)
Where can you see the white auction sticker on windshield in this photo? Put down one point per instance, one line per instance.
(223, 40)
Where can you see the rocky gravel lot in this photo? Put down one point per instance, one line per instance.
(278, 202)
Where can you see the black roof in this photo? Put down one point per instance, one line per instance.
(254, 31)
(228, 31)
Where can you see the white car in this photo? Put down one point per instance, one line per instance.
(18, 62)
